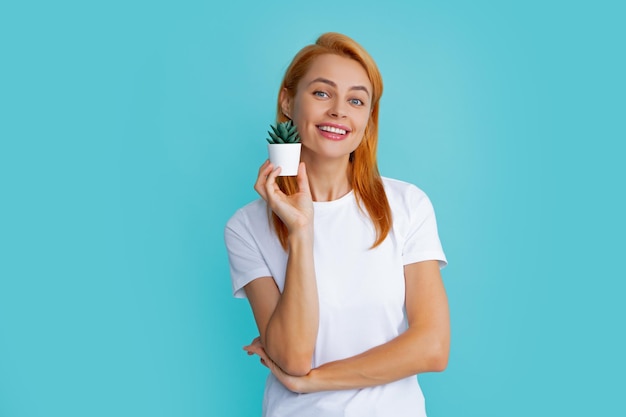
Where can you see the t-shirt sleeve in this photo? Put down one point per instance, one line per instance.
(244, 256)
(422, 239)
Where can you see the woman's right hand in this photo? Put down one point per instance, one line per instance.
(295, 210)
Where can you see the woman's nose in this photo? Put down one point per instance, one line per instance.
(337, 110)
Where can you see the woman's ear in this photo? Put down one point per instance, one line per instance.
(285, 102)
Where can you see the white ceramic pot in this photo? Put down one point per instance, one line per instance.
(286, 156)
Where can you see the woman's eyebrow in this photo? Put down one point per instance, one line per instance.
(333, 84)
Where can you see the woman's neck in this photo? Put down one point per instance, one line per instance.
(330, 180)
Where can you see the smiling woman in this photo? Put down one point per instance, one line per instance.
(331, 107)
(343, 275)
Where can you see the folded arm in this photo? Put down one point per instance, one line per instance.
(423, 347)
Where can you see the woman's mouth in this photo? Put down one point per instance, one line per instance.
(333, 132)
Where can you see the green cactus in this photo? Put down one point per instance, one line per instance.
(284, 132)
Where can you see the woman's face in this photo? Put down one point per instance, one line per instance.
(331, 107)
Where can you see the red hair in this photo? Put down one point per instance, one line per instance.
(364, 176)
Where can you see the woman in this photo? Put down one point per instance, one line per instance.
(343, 274)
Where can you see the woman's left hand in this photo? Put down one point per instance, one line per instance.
(299, 384)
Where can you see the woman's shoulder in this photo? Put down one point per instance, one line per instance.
(402, 190)
(248, 214)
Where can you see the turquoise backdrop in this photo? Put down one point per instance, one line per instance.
(130, 131)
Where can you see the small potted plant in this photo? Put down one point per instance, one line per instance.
(284, 148)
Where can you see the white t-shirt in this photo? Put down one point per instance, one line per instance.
(361, 292)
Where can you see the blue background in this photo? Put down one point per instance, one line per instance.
(131, 131)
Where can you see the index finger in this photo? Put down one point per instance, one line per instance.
(270, 183)
(259, 185)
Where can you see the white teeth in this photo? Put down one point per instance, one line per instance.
(333, 130)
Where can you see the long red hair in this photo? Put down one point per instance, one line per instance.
(365, 178)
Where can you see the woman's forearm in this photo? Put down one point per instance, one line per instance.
(423, 347)
(292, 329)
(411, 353)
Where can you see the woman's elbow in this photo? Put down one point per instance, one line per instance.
(438, 358)
(295, 363)
(296, 367)
(434, 358)
(439, 363)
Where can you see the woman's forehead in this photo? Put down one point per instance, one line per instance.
(342, 71)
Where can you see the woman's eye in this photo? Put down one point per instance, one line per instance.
(356, 101)
(320, 94)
